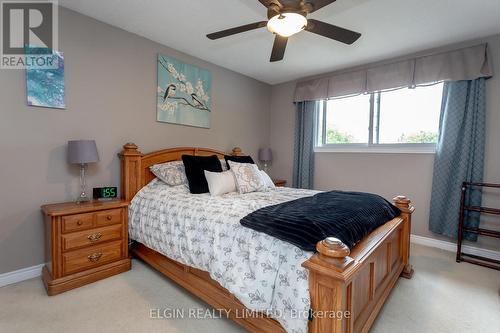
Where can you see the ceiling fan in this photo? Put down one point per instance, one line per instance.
(288, 17)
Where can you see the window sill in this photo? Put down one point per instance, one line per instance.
(382, 149)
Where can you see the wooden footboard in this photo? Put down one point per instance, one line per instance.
(348, 288)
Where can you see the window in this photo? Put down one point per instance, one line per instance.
(405, 119)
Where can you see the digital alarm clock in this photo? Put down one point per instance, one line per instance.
(105, 193)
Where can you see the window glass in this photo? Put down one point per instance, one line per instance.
(347, 120)
(409, 115)
(404, 116)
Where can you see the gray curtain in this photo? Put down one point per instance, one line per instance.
(303, 162)
(459, 156)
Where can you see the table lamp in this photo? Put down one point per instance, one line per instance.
(265, 156)
(82, 152)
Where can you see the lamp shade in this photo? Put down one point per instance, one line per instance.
(265, 155)
(82, 151)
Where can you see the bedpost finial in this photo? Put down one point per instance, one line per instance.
(130, 149)
(236, 151)
(333, 247)
(130, 146)
(403, 203)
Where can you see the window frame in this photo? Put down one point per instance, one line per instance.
(370, 147)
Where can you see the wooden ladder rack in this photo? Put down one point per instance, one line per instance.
(474, 259)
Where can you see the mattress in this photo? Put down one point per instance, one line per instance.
(204, 232)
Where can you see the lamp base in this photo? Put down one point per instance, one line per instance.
(83, 186)
(266, 167)
(82, 198)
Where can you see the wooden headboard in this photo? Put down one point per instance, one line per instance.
(135, 165)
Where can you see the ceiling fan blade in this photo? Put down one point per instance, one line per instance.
(268, 3)
(332, 31)
(279, 47)
(237, 30)
(318, 4)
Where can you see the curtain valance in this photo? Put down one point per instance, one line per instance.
(464, 64)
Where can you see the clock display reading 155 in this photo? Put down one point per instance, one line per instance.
(105, 192)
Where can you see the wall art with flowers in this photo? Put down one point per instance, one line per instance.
(183, 93)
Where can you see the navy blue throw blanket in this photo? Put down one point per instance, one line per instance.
(348, 216)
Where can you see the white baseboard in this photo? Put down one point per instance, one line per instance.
(452, 247)
(20, 275)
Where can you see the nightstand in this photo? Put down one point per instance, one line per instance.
(279, 182)
(84, 243)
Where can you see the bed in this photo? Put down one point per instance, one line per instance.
(345, 289)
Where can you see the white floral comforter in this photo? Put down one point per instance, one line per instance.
(204, 232)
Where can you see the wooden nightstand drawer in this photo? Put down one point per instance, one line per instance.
(108, 217)
(91, 237)
(77, 222)
(91, 257)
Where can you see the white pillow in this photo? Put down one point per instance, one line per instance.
(265, 177)
(220, 183)
(172, 173)
(223, 164)
(248, 177)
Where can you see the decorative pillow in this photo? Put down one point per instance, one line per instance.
(265, 177)
(172, 173)
(194, 166)
(239, 159)
(220, 183)
(248, 177)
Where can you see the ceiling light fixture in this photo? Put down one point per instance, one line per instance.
(286, 18)
(287, 24)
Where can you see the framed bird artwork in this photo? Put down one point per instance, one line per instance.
(184, 93)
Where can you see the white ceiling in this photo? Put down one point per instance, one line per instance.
(389, 28)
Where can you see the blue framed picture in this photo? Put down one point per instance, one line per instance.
(183, 93)
(45, 87)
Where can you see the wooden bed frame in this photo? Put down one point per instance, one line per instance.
(347, 288)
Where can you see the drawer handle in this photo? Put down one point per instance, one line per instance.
(94, 237)
(79, 222)
(95, 257)
(109, 217)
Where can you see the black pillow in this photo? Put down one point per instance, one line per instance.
(194, 166)
(239, 159)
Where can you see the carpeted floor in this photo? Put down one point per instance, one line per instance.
(443, 296)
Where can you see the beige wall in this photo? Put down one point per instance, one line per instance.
(385, 174)
(110, 91)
